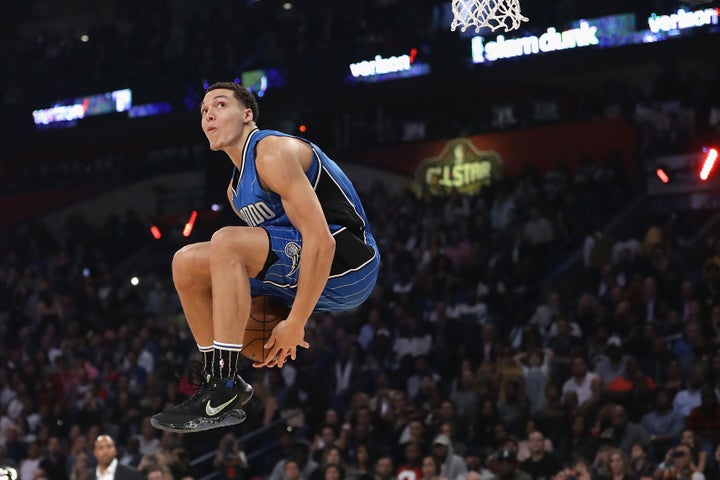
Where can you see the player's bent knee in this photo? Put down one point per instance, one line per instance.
(242, 245)
(191, 266)
(223, 236)
(228, 241)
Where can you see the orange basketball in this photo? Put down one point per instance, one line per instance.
(265, 313)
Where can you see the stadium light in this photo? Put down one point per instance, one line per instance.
(708, 164)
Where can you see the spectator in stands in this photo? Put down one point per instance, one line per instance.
(536, 374)
(475, 470)
(451, 464)
(445, 414)
(301, 454)
(360, 466)
(107, 464)
(156, 472)
(578, 442)
(541, 465)
(624, 433)
(147, 438)
(332, 456)
(323, 441)
(180, 466)
(502, 209)
(414, 431)
(512, 406)
(54, 462)
(80, 468)
(611, 363)
(431, 469)
(291, 470)
(599, 467)
(677, 465)
(689, 398)
(511, 445)
(563, 345)
(618, 466)
(704, 420)
(131, 455)
(641, 464)
(333, 472)
(580, 381)
(507, 468)
(546, 313)
(698, 456)
(31, 463)
(384, 469)
(673, 379)
(410, 464)
(230, 460)
(523, 449)
(662, 424)
(633, 389)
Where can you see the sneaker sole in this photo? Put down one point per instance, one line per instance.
(227, 419)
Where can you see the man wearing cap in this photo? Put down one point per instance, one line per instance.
(451, 464)
(507, 468)
(610, 363)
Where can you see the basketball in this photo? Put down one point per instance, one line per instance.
(265, 313)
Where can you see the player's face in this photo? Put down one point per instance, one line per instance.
(223, 118)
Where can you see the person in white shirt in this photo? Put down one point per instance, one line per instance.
(581, 380)
(31, 462)
(108, 468)
(689, 398)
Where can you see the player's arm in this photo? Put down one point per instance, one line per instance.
(280, 164)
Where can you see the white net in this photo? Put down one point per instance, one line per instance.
(493, 14)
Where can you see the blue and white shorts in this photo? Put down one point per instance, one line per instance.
(353, 273)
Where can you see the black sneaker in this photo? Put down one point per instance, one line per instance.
(216, 404)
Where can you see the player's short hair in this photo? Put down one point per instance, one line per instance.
(241, 93)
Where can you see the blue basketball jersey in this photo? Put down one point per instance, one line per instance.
(356, 263)
(258, 207)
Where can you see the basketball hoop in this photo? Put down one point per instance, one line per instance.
(493, 14)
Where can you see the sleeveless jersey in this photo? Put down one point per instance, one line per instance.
(258, 207)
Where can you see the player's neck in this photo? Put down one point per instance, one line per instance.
(235, 150)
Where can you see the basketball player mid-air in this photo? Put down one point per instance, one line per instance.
(307, 242)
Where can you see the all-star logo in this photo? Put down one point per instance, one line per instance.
(459, 166)
(292, 250)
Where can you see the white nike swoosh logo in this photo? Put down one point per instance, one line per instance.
(212, 411)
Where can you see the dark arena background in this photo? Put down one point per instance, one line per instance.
(545, 201)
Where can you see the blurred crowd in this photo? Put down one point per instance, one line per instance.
(474, 356)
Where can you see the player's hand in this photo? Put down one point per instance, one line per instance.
(282, 344)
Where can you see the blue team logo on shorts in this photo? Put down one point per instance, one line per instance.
(292, 250)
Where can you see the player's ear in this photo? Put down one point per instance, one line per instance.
(248, 117)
